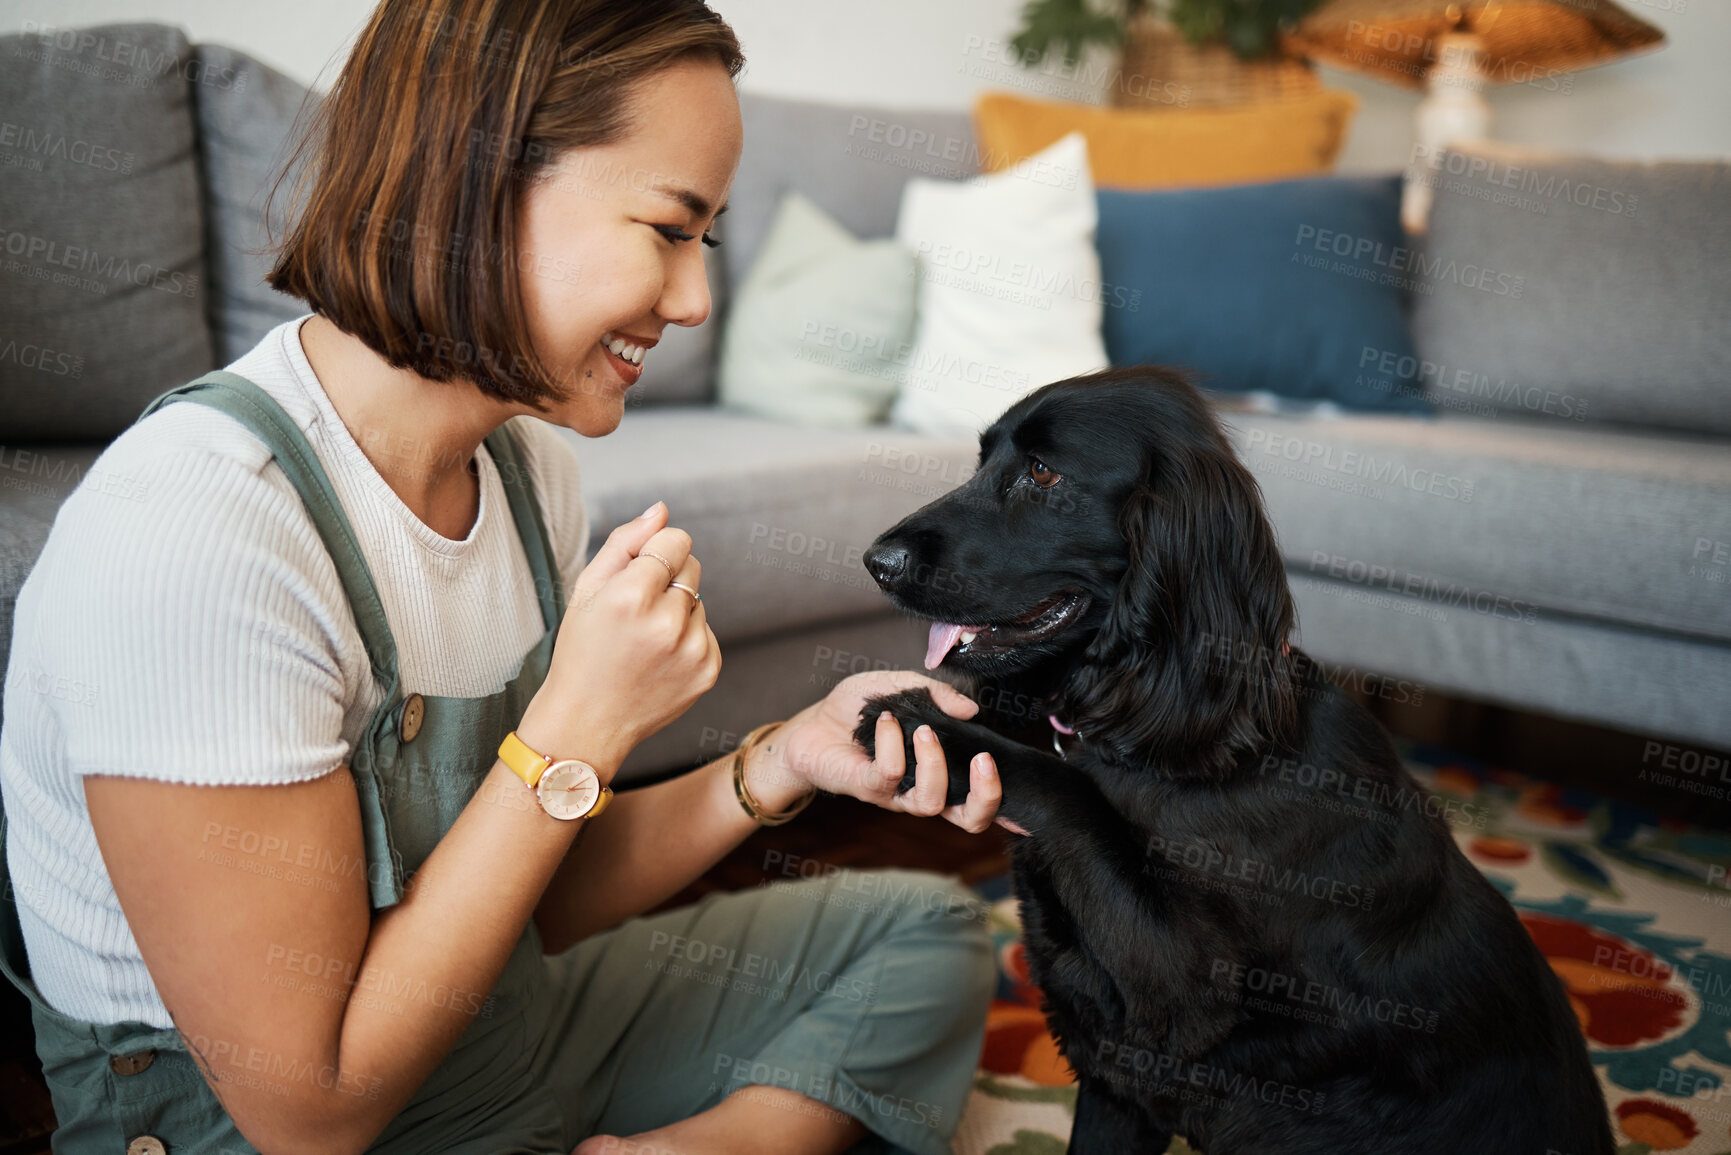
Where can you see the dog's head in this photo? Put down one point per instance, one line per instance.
(1110, 537)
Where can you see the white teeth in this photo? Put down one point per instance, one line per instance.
(968, 636)
(623, 349)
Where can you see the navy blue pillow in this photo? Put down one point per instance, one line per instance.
(1296, 287)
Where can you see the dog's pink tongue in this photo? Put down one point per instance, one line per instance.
(938, 643)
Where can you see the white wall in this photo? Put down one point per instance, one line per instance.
(1674, 103)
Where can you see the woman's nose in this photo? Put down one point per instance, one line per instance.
(685, 297)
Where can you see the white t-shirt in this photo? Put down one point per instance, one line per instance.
(186, 624)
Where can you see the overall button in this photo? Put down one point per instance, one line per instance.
(409, 721)
(133, 1064)
(146, 1145)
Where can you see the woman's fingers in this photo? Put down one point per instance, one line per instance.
(931, 777)
(670, 548)
(892, 757)
(951, 700)
(621, 546)
(690, 575)
(985, 792)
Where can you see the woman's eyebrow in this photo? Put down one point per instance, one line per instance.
(691, 200)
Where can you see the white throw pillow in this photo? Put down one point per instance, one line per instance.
(1010, 295)
(818, 329)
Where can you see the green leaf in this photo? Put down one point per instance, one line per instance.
(1251, 28)
(1576, 864)
(1031, 1143)
(1066, 1096)
(1067, 25)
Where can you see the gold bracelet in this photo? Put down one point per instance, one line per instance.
(757, 812)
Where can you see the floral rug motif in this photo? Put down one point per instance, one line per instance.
(1633, 912)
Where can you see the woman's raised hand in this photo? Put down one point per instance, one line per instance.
(633, 652)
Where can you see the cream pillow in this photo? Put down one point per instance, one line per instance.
(821, 325)
(1010, 294)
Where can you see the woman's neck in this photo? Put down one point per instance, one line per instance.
(420, 435)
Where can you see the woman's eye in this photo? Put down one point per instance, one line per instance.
(1042, 474)
(675, 233)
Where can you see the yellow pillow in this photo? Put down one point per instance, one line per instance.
(1165, 148)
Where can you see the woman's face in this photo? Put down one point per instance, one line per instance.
(600, 257)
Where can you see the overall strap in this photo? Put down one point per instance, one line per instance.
(259, 412)
(531, 530)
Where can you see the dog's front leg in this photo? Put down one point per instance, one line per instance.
(1107, 1124)
(1093, 860)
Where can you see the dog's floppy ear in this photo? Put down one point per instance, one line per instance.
(1191, 669)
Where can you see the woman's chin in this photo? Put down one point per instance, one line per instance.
(597, 416)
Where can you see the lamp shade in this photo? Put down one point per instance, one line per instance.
(1519, 40)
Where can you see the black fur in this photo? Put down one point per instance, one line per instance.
(1251, 926)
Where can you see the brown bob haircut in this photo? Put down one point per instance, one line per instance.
(445, 112)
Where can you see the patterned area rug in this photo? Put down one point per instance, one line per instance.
(1634, 914)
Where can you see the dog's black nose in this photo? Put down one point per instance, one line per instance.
(887, 563)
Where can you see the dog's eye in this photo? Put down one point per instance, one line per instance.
(1042, 474)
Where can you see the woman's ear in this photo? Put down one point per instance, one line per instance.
(1191, 669)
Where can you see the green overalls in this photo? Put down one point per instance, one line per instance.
(865, 990)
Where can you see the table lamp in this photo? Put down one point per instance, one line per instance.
(1456, 50)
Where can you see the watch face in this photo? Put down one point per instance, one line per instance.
(568, 789)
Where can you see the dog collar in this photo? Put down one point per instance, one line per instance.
(1057, 729)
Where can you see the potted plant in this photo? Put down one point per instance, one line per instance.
(1184, 52)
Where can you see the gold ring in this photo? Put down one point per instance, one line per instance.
(659, 558)
(686, 588)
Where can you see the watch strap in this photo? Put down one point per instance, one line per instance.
(524, 762)
(600, 803)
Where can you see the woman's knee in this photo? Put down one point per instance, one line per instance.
(936, 910)
(927, 896)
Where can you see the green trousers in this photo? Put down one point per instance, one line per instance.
(865, 991)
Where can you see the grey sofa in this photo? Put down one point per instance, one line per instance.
(1571, 582)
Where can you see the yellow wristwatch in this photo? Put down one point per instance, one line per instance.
(567, 789)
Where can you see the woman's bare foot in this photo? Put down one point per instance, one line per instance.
(754, 1120)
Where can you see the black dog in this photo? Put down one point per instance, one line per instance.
(1251, 926)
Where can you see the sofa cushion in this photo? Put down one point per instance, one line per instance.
(1642, 681)
(102, 270)
(818, 331)
(1010, 292)
(245, 133)
(1148, 148)
(780, 515)
(1294, 259)
(851, 161)
(1609, 287)
(1512, 519)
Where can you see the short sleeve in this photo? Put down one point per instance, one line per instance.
(200, 604)
(552, 466)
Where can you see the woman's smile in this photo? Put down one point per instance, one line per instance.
(625, 354)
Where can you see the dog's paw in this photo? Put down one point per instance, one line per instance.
(912, 709)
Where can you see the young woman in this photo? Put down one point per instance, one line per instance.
(303, 873)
